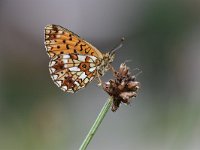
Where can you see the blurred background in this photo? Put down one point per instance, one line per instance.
(162, 39)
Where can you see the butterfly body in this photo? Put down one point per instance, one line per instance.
(74, 62)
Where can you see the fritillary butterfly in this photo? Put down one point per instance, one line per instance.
(74, 62)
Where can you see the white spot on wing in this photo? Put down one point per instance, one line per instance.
(86, 80)
(65, 56)
(93, 58)
(59, 83)
(60, 32)
(65, 61)
(79, 73)
(76, 61)
(47, 42)
(58, 36)
(54, 77)
(47, 31)
(49, 26)
(74, 69)
(48, 48)
(92, 69)
(76, 83)
(52, 70)
(81, 58)
(54, 58)
(51, 63)
(48, 54)
(70, 90)
(82, 76)
(92, 65)
(73, 72)
(64, 88)
(65, 65)
(46, 36)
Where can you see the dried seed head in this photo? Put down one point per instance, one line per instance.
(122, 88)
(133, 85)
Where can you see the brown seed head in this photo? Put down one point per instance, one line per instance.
(122, 88)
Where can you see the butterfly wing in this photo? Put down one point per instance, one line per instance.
(59, 40)
(72, 72)
(73, 61)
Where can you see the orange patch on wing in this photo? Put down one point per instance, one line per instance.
(73, 56)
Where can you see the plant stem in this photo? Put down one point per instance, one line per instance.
(96, 124)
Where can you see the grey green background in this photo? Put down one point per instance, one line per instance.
(162, 39)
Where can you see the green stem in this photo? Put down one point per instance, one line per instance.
(96, 124)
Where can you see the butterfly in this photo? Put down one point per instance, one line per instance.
(73, 61)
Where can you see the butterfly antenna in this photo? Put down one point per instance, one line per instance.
(118, 46)
(136, 69)
(137, 74)
(127, 61)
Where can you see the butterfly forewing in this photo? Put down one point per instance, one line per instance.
(73, 61)
(59, 40)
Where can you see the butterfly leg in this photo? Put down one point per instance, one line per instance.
(113, 70)
(99, 80)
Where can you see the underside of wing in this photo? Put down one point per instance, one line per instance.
(72, 72)
(59, 40)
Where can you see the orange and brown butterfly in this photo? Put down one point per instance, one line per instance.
(74, 62)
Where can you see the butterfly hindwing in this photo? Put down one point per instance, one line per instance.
(72, 72)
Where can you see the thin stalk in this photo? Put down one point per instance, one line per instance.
(96, 124)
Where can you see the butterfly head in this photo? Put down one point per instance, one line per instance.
(108, 59)
(105, 63)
